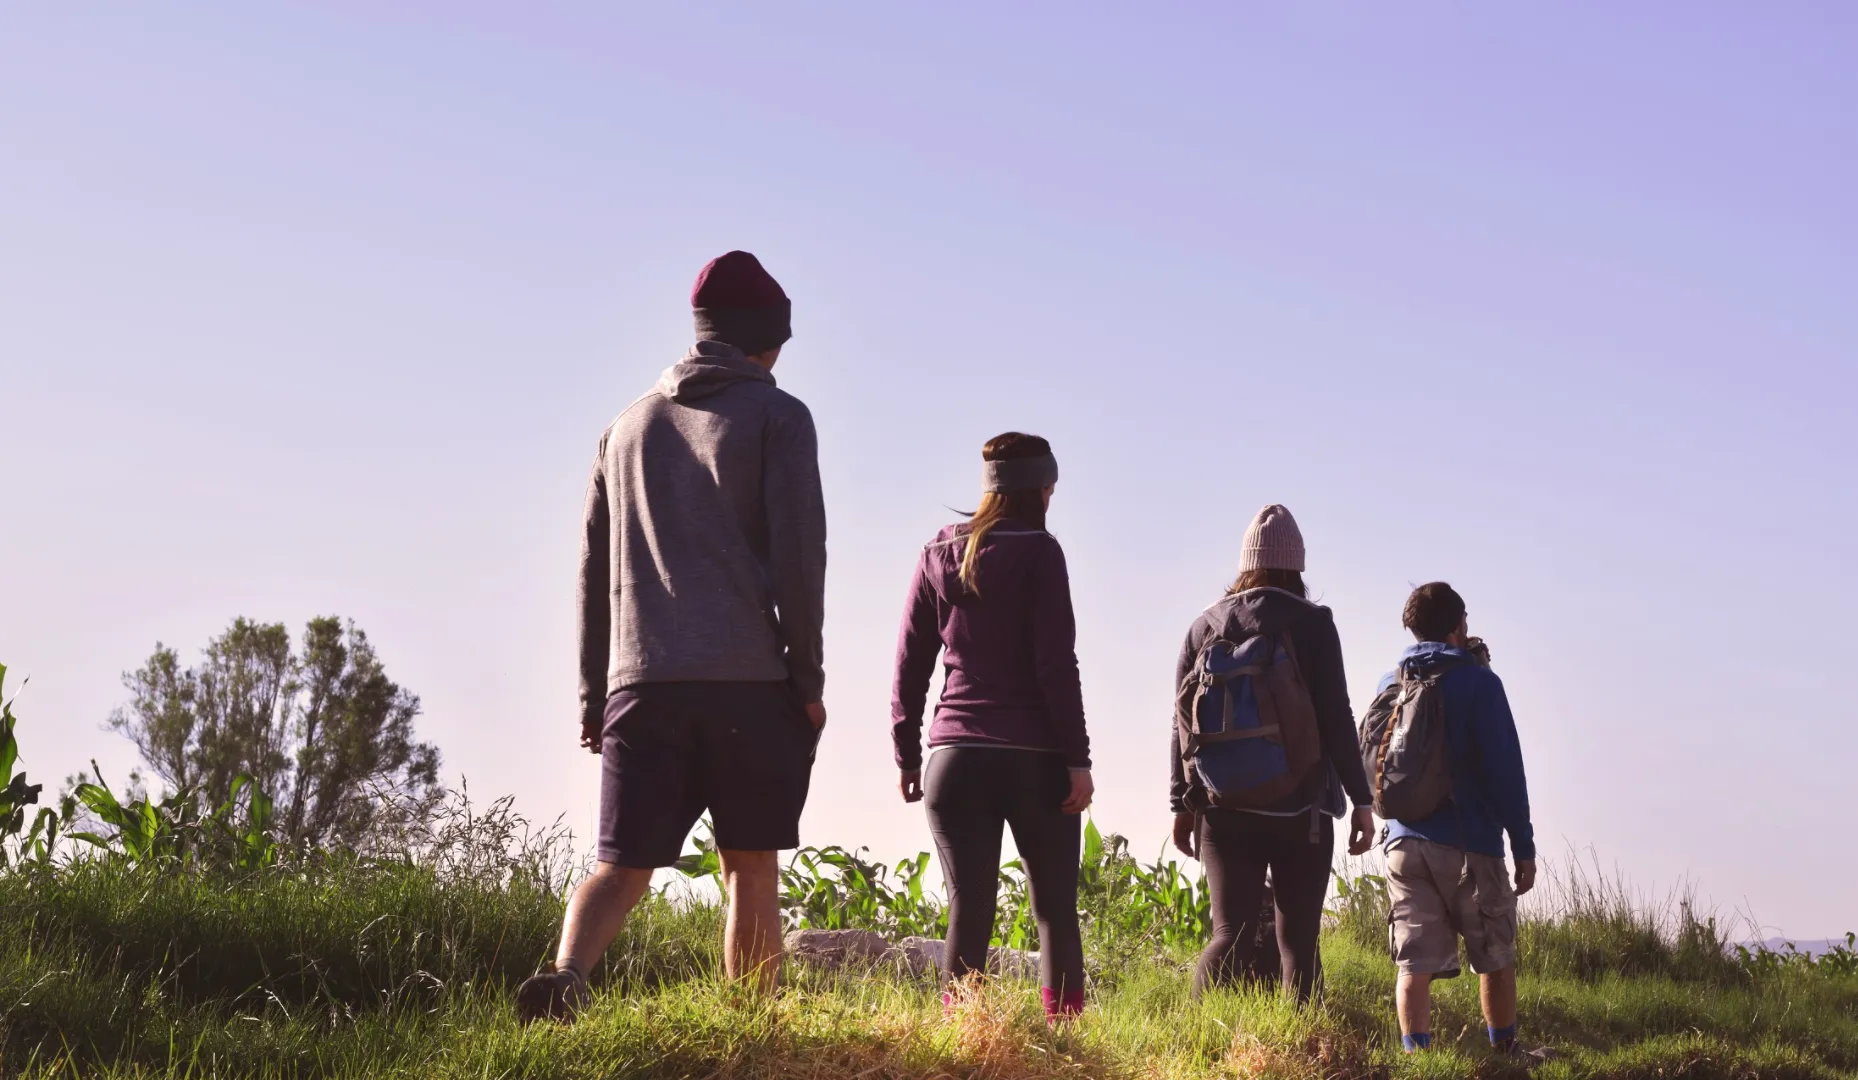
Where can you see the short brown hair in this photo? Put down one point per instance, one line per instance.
(1433, 612)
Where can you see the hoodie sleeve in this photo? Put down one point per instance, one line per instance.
(918, 643)
(595, 594)
(796, 512)
(1322, 666)
(1501, 753)
(1178, 785)
(1054, 652)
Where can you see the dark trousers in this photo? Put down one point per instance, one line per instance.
(1236, 849)
(972, 795)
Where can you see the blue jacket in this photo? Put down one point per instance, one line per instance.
(1490, 795)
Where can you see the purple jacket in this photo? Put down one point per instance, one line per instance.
(1011, 664)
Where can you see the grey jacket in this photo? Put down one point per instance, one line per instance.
(704, 557)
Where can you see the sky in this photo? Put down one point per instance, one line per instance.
(321, 309)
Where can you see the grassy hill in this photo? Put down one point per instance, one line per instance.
(403, 966)
(178, 939)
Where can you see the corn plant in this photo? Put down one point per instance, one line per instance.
(1361, 906)
(706, 861)
(831, 888)
(20, 842)
(181, 827)
(1123, 900)
(1015, 925)
(1839, 960)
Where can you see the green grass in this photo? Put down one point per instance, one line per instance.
(352, 969)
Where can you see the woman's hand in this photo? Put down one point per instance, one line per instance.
(1361, 831)
(1187, 834)
(911, 785)
(1082, 788)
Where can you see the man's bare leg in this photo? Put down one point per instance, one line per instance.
(1413, 997)
(596, 912)
(752, 940)
(1497, 991)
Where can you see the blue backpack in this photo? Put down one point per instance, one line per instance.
(1246, 723)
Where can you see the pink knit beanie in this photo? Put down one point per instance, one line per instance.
(1273, 542)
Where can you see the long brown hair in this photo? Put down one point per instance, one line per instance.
(1291, 581)
(1023, 506)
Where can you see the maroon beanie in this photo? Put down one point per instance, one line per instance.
(737, 302)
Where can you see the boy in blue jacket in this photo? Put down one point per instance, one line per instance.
(1445, 871)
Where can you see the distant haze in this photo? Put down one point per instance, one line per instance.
(313, 309)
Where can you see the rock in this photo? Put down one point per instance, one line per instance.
(922, 956)
(835, 948)
(1013, 963)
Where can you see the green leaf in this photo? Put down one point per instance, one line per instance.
(101, 801)
(19, 793)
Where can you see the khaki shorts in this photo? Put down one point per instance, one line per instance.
(1441, 894)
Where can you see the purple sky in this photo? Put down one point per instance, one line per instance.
(315, 308)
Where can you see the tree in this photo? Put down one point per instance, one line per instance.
(323, 731)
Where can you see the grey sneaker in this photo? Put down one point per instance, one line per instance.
(551, 994)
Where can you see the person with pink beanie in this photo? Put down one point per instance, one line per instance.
(1292, 836)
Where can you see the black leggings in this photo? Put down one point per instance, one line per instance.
(1236, 848)
(971, 793)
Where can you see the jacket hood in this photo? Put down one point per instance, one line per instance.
(1006, 549)
(1268, 607)
(1426, 655)
(709, 368)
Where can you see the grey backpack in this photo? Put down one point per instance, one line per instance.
(1403, 744)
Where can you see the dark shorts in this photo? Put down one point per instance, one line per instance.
(670, 751)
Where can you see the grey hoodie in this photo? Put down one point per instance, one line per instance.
(704, 557)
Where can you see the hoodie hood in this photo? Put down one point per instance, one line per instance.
(709, 368)
(1004, 553)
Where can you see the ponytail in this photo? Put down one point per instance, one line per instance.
(1021, 506)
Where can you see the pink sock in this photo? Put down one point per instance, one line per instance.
(1067, 1006)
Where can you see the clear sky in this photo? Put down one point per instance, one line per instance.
(321, 309)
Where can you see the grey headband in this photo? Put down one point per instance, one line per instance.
(1019, 474)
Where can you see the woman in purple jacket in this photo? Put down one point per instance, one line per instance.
(1008, 741)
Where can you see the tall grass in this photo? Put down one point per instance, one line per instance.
(174, 946)
(403, 966)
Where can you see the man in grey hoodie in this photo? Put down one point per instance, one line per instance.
(701, 591)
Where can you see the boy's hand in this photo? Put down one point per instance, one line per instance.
(591, 733)
(816, 713)
(1525, 875)
(1082, 788)
(1361, 831)
(1186, 830)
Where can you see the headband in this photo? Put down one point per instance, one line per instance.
(1019, 474)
